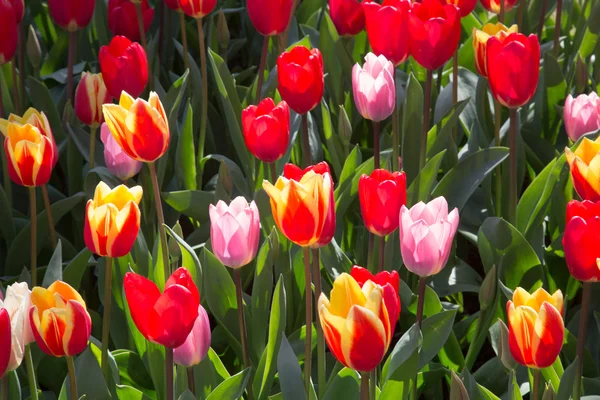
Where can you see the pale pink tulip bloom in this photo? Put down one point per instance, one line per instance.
(582, 115)
(117, 161)
(17, 303)
(374, 88)
(196, 346)
(234, 231)
(426, 234)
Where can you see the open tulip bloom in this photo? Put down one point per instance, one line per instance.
(17, 304)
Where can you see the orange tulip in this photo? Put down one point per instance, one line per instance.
(140, 127)
(30, 148)
(585, 169)
(112, 220)
(536, 327)
(356, 323)
(300, 208)
(59, 320)
(480, 38)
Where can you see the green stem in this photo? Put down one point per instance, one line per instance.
(22, 72)
(106, 317)
(321, 360)
(70, 64)
(33, 236)
(31, 373)
(498, 175)
(426, 110)
(364, 386)
(140, 20)
(305, 140)
(422, 287)
(376, 149)
(190, 379)
(261, 69)
(512, 189)
(93, 131)
(169, 373)
(273, 169)
(186, 62)
(161, 220)
(237, 276)
(535, 393)
(15, 79)
(520, 15)
(557, 27)
(542, 19)
(395, 140)
(381, 253)
(72, 377)
(455, 85)
(370, 265)
(308, 340)
(4, 388)
(373, 384)
(581, 336)
(502, 12)
(49, 215)
(204, 110)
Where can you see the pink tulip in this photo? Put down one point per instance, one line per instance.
(234, 231)
(117, 161)
(426, 234)
(197, 343)
(374, 88)
(582, 115)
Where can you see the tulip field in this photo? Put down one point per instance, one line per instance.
(300, 199)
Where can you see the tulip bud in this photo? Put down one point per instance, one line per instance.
(549, 393)
(374, 88)
(10, 32)
(34, 51)
(457, 388)
(222, 30)
(196, 346)
(90, 95)
(581, 74)
(117, 161)
(174, 249)
(504, 348)
(344, 127)
(487, 292)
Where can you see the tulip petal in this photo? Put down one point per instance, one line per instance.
(124, 231)
(364, 343)
(548, 336)
(173, 316)
(5, 340)
(141, 294)
(181, 276)
(78, 327)
(345, 293)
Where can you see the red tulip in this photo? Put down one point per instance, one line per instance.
(381, 195)
(293, 172)
(580, 240)
(465, 7)
(347, 16)
(122, 18)
(300, 78)
(270, 17)
(9, 32)
(124, 67)
(197, 8)
(387, 28)
(266, 129)
(173, 5)
(434, 33)
(5, 339)
(166, 318)
(72, 15)
(513, 67)
(18, 9)
(389, 281)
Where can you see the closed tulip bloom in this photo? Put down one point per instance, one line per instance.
(17, 303)
(300, 78)
(197, 8)
(465, 7)
(480, 39)
(291, 171)
(195, 348)
(234, 231)
(426, 235)
(173, 5)
(381, 195)
(5, 340)
(536, 328)
(140, 127)
(90, 95)
(122, 18)
(300, 208)
(117, 161)
(494, 5)
(270, 17)
(389, 281)
(513, 67)
(581, 115)
(266, 129)
(347, 16)
(434, 33)
(72, 15)
(124, 67)
(18, 8)
(585, 169)
(9, 32)
(356, 323)
(387, 28)
(165, 318)
(112, 220)
(374, 88)
(579, 240)
(59, 320)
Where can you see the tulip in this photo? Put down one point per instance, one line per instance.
(585, 169)
(300, 208)
(59, 320)
(234, 231)
(124, 67)
(579, 240)
(5, 341)
(300, 78)
(271, 22)
(513, 68)
(9, 32)
(426, 234)
(17, 304)
(494, 5)
(536, 327)
(480, 39)
(387, 28)
(18, 8)
(140, 127)
(389, 281)
(582, 115)
(173, 5)
(123, 20)
(381, 195)
(72, 15)
(90, 95)
(465, 7)
(197, 8)
(266, 129)
(117, 161)
(30, 148)
(347, 16)
(167, 318)
(196, 346)
(434, 33)
(356, 323)
(374, 88)
(112, 220)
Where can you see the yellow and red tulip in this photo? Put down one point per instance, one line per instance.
(90, 95)
(585, 169)
(480, 39)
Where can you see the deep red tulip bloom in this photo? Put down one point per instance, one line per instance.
(389, 281)
(173, 5)
(300, 77)
(266, 129)
(166, 318)
(295, 173)
(122, 18)
(513, 67)
(387, 28)
(465, 7)
(124, 67)
(381, 195)
(580, 240)
(5, 339)
(270, 17)
(347, 16)
(434, 33)
(8, 32)
(197, 8)
(494, 5)
(72, 15)
(18, 8)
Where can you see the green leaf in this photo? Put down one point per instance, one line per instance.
(290, 374)
(90, 380)
(192, 203)
(42, 100)
(232, 388)
(185, 164)
(332, 141)
(514, 392)
(132, 372)
(54, 271)
(189, 258)
(7, 228)
(74, 270)
(400, 384)
(345, 385)
(125, 392)
(436, 330)
(408, 343)
(411, 128)
(420, 189)
(82, 140)
(209, 374)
